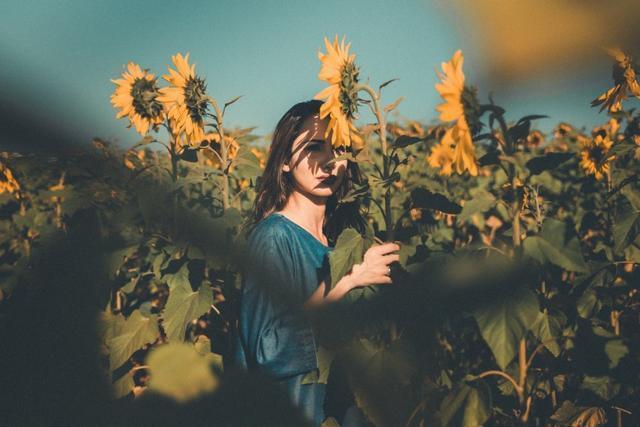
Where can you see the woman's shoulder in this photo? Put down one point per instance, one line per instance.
(274, 228)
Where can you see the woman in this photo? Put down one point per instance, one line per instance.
(295, 222)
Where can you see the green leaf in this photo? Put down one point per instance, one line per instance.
(616, 349)
(602, 386)
(425, 199)
(132, 334)
(183, 304)
(405, 141)
(556, 244)
(393, 105)
(189, 155)
(226, 104)
(247, 164)
(623, 229)
(387, 82)
(203, 346)
(382, 378)
(588, 305)
(467, 406)
(179, 372)
(406, 250)
(349, 250)
(633, 195)
(491, 158)
(622, 149)
(504, 320)
(548, 330)
(481, 202)
(358, 192)
(321, 374)
(549, 161)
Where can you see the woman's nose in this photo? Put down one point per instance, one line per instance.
(327, 164)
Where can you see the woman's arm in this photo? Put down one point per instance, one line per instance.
(317, 299)
(373, 270)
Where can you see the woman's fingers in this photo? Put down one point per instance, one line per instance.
(385, 248)
(388, 259)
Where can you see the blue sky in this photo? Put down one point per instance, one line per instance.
(59, 57)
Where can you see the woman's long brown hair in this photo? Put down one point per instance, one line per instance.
(275, 186)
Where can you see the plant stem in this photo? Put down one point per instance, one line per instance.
(225, 155)
(382, 127)
(525, 405)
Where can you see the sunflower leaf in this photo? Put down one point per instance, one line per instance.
(425, 199)
(393, 105)
(349, 250)
(405, 141)
(556, 244)
(226, 104)
(387, 83)
(549, 161)
(504, 320)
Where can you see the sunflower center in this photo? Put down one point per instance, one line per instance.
(348, 94)
(596, 153)
(195, 98)
(471, 107)
(144, 93)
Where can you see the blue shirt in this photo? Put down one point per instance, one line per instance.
(285, 265)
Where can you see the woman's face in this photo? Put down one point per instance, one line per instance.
(308, 163)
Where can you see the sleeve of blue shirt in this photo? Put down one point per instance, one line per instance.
(276, 336)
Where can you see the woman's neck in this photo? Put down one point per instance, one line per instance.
(306, 212)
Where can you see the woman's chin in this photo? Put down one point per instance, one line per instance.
(323, 192)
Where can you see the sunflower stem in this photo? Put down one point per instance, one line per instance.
(382, 128)
(225, 154)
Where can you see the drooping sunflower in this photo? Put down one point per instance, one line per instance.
(340, 97)
(185, 99)
(136, 96)
(624, 78)
(461, 106)
(594, 151)
(442, 154)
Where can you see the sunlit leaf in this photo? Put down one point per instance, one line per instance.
(348, 250)
(184, 305)
(133, 333)
(179, 372)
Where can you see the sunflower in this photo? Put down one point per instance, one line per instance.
(593, 155)
(460, 105)
(442, 154)
(7, 182)
(535, 139)
(136, 96)
(624, 78)
(341, 99)
(185, 99)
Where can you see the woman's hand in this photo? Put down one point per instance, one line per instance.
(374, 270)
(375, 267)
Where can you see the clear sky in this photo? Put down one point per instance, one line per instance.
(58, 57)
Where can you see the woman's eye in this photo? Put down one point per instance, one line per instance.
(313, 147)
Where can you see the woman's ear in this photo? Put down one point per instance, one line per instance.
(286, 168)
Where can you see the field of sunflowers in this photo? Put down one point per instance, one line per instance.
(516, 301)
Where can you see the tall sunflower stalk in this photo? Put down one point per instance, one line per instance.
(341, 106)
